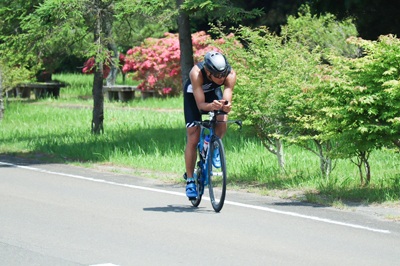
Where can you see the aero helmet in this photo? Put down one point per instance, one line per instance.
(215, 62)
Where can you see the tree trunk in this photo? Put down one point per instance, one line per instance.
(361, 174)
(1, 98)
(362, 160)
(321, 157)
(185, 42)
(273, 145)
(325, 163)
(396, 142)
(279, 154)
(367, 171)
(112, 76)
(367, 167)
(98, 97)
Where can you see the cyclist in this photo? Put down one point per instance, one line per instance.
(203, 92)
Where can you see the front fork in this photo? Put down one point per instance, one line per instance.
(202, 171)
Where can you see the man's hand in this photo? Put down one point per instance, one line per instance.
(221, 105)
(216, 105)
(227, 106)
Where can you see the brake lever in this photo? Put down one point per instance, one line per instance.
(239, 123)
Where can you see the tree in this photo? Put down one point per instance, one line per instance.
(13, 69)
(52, 20)
(185, 41)
(279, 79)
(325, 35)
(372, 18)
(272, 70)
(98, 97)
(211, 10)
(359, 101)
(1, 98)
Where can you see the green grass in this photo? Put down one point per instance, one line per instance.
(81, 85)
(141, 136)
(79, 91)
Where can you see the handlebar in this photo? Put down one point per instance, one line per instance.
(213, 120)
(208, 123)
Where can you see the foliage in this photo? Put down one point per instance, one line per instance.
(372, 18)
(363, 98)
(322, 32)
(18, 64)
(43, 30)
(156, 63)
(376, 78)
(129, 32)
(222, 10)
(279, 75)
(89, 65)
(358, 102)
(272, 71)
(14, 75)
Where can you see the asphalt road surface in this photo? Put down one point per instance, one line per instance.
(55, 214)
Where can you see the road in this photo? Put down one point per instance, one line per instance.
(55, 214)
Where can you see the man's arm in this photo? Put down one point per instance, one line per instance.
(197, 80)
(228, 90)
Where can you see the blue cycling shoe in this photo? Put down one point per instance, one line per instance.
(216, 159)
(191, 191)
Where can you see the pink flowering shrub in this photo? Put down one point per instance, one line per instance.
(156, 63)
(90, 63)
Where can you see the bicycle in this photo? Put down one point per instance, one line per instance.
(207, 172)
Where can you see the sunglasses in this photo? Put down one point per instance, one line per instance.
(219, 75)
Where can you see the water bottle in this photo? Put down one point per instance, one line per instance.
(205, 146)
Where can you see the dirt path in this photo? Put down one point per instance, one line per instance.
(87, 106)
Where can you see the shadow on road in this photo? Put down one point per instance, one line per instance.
(178, 208)
(299, 204)
(8, 160)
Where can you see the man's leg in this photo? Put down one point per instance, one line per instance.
(221, 128)
(220, 131)
(193, 136)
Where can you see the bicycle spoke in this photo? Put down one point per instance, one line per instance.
(199, 187)
(217, 175)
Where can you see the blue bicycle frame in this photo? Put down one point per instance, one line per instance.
(203, 162)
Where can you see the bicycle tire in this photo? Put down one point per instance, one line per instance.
(199, 188)
(217, 175)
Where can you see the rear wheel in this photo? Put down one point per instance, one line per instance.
(217, 174)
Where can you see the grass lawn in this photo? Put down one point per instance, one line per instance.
(149, 136)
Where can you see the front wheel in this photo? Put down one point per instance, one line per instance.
(199, 187)
(217, 173)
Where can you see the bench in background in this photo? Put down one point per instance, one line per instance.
(41, 90)
(125, 93)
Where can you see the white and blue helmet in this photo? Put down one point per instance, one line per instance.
(215, 62)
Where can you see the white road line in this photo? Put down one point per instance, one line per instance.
(315, 218)
(104, 264)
